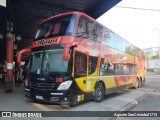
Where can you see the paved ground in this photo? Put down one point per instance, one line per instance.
(117, 101)
(151, 102)
(122, 100)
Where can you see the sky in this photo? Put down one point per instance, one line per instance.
(139, 27)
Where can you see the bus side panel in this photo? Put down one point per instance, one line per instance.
(140, 68)
(109, 82)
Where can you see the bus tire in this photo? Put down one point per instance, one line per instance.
(73, 101)
(143, 81)
(140, 83)
(136, 84)
(98, 93)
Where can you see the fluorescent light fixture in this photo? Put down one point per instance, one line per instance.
(1, 36)
(3, 3)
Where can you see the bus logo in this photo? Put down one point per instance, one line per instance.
(46, 42)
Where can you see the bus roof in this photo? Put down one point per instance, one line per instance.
(81, 13)
(66, 13)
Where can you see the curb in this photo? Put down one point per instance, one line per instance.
(130, 105)
(152, 76)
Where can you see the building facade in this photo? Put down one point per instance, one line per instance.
(153, 51)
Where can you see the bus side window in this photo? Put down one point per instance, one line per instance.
(126, 69)
(89, 29)
(119, 69)
(80, 67)
(56, 28)
(97, 32)
(106, 67)
(92, 64)
(108, 39)
(81, 32)
(132, 69)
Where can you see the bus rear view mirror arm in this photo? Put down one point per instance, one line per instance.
(65, 54)
(66, 50)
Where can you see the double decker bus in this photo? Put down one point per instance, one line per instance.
(74, 59)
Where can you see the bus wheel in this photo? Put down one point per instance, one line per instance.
(73, 101)
(136, 84)
(98, 93)
(140, 83)
(143, 81)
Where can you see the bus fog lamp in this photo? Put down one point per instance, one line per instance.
(65, 99)
(65, 85)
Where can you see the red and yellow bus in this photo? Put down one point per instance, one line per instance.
(74, 59)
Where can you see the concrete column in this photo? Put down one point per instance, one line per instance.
(9, 79)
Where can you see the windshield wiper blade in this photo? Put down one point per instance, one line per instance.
(41, 37)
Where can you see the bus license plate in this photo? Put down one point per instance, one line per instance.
(39, 97)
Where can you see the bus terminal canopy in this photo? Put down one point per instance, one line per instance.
(24, 15)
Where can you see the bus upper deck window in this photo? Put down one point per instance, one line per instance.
(56, 28)
(48, 33)
(70, 29)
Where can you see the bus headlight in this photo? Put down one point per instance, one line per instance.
(26, 82)
(65, 85)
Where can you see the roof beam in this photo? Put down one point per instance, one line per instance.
(102, 7)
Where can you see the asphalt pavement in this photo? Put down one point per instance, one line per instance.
(151, 102)
(125, 100)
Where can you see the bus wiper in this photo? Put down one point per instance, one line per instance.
(50, 35)
(35, 71)
(41, 37)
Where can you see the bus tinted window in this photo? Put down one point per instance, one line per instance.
(128, 48)
(82, 29)
(80, 68)
(60, 26)
(89, 29)
(108, 39)
(143, 56)
(118, 43)
(126, 69)
(136, 52)
(119, 69)
(106, 67)
(123, 44)
(92, 64)
(132, 69)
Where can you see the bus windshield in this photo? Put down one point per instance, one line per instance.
(59, 26)
(48, 61)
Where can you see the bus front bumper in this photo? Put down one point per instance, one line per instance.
(49, 97)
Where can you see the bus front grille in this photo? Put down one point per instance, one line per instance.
(41, 86)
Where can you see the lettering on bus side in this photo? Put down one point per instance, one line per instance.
(46, 42)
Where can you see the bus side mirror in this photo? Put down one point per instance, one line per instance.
(66, 50)
(65, 54)
(19, 56)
